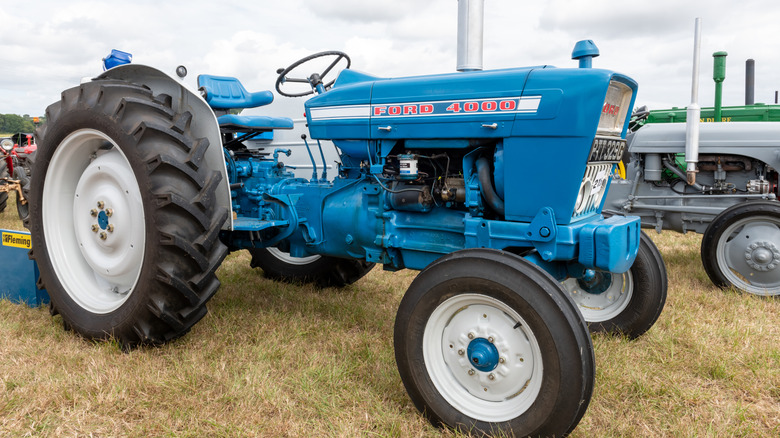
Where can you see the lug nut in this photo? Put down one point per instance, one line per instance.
(100, 204)
(103, 235)
(471, 372)
(491, 376)
(93, 212)
(109, 212)
(110, 228)
(471, 335)
(490, 339)
(501, 360)
(95, 228)
(461, 352)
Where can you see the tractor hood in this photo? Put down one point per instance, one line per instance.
(360, 106)
(478, 104)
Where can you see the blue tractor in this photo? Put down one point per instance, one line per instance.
(490, 183)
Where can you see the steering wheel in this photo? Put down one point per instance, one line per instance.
(316, 80)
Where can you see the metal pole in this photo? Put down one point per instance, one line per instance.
(750, 82)
(470, 19)
(694, 112)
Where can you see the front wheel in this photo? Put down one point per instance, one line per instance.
(124, 220)
(627, 303)
(321, 270)
(487, 342)
(741, 248)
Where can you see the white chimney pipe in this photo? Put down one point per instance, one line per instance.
(470, 19)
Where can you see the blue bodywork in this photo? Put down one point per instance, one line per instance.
(540, 131)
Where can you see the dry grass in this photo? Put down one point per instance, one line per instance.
(278, 360)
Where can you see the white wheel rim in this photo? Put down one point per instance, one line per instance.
(602, 306)
(88, 185)
(748, 255)
(287, 258)
(495, 395)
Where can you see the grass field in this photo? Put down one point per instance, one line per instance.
(277, 360)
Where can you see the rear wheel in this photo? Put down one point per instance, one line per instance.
(487, 342)
(321, 270)
(627, 303)
(123, 215)
(741, 248)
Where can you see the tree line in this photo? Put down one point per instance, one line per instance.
(14, 123)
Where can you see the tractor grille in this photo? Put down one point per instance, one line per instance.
(592, 189)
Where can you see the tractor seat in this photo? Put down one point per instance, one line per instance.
(224, 93)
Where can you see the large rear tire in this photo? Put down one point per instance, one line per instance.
(488, 343)
(321, 270)
(628, 303)
(123, 214)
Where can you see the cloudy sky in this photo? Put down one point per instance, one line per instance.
(49, 45)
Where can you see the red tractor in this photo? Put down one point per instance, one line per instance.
(19, 154)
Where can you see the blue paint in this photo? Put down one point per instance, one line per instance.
(102, 220)
(482, 355)
(19, 276)
(536, 126)
(595, 282)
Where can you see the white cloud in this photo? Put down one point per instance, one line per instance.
(59, 42)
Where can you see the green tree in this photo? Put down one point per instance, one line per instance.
(12, 123)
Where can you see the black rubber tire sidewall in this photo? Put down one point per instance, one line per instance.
(170, 293)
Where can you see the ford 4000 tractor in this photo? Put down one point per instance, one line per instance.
(489, 182)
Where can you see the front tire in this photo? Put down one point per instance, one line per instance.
(741, 248)
(487, 342)
(321, 270)
(628, 303)
(123, 215)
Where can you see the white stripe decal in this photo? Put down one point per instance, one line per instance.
(340, 112)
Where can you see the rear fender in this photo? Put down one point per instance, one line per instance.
(204, 122)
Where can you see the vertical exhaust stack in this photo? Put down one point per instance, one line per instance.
(750, 82)
(719, 75)
(693, 113)
(470, 19)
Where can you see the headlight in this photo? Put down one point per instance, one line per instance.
(7, 144)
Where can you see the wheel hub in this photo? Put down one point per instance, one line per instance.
(600, 295)
(483, 354)
(595, 282)
(762, 256)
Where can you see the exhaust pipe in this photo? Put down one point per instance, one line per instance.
(693, 113)
(719, 75)
(470, 19)
(750, 82)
